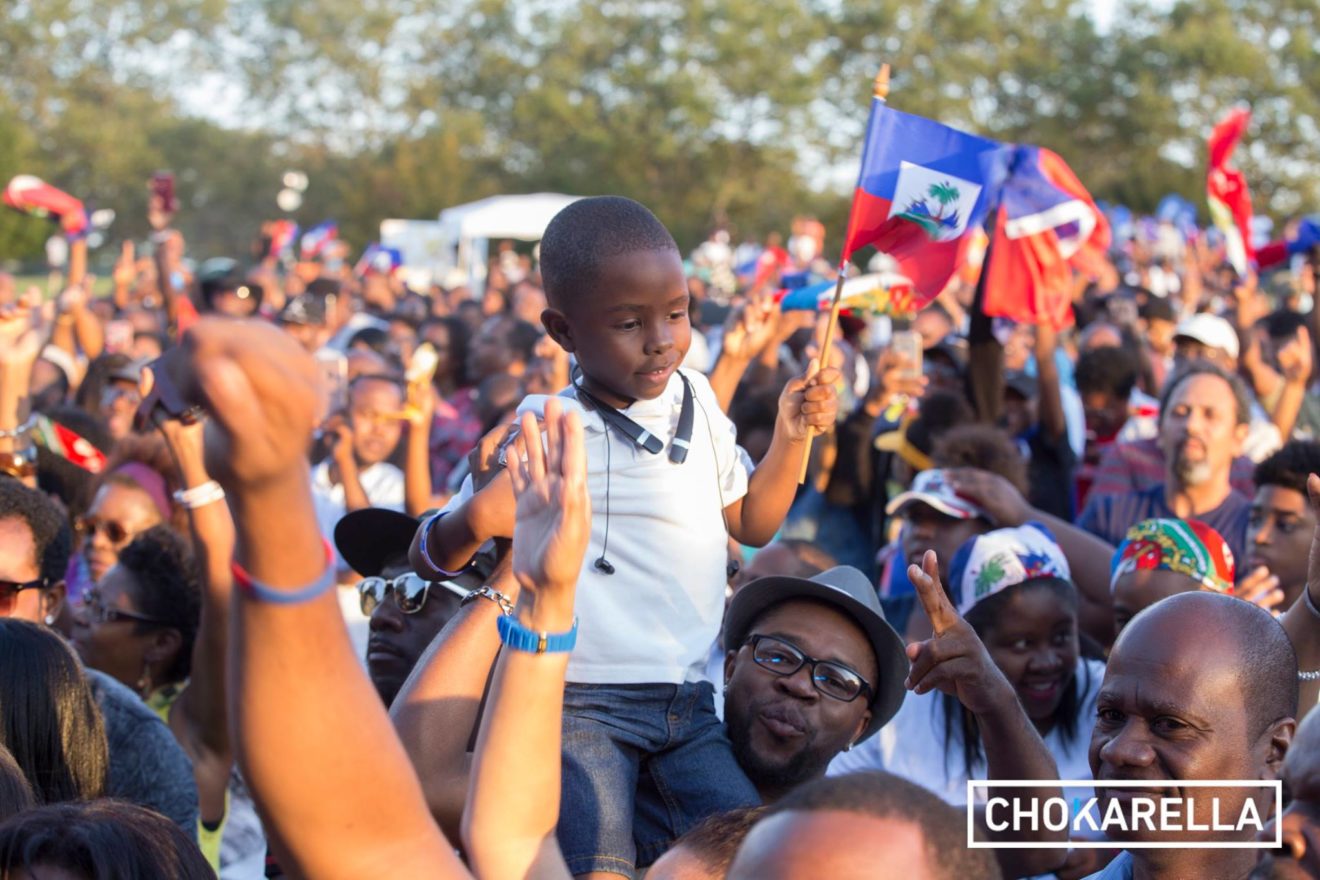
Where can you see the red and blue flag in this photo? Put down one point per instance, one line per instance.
(924, 188)
(1046, 225)
(315, 240)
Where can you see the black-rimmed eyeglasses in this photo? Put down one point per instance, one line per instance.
(784, 658)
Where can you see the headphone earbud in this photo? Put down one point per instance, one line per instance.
(603, 566)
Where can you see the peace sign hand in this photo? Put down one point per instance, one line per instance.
(954, 660)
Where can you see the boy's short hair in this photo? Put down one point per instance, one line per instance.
(590, 231)
(1289, 467)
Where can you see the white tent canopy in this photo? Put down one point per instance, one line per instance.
(468, 229)
(522, 217)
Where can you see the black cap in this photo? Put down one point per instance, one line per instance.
(371, 538)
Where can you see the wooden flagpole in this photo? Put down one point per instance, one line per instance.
(881, 92)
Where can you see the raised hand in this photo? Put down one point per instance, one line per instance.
(1260, 587)
(262, 391)
(553, 518)
(954, 660)
(485, 461)
(20, 342)
(809, 401)
(993, 494)
(751, 328)
(895, 374)
(125, 272)
(1295, 359)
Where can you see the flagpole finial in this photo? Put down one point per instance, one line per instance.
(881, 88)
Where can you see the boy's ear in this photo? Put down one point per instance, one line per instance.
(559, 329)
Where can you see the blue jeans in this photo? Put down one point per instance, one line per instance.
(642, 764)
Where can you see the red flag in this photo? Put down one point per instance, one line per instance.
(1226, 189)
(1046, 226)
(34, 196)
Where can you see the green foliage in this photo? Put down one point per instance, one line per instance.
(745, 112)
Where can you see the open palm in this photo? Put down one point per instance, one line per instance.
(553, 516)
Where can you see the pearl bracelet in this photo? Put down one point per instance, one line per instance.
(200, 496)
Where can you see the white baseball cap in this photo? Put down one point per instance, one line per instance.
(1211, 331)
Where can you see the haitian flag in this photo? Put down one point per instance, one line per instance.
(1046, 225)
(315, 239)
(923, 189)
(1226, 189)
(380, 259)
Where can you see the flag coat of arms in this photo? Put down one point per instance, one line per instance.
(924, 188)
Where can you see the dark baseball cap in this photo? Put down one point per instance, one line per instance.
(371, 538)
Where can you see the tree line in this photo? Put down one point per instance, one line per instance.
(738, 112)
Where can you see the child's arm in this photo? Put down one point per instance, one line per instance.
(448, 543)
(810, 401)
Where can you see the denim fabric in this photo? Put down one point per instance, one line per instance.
(642, 764)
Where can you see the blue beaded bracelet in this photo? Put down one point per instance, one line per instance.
(253, 589)
(520, 638)
(426, 537)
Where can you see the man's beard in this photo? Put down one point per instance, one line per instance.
(1191, 473)
(804, 766)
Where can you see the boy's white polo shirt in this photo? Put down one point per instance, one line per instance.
(655, 619)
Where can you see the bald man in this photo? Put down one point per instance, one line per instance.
(1176, 705)
(858, 827)
(1299, 859)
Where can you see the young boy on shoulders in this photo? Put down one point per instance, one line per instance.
(645, 756)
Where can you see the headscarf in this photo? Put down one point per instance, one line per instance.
(1003, 558)
(1186, 546)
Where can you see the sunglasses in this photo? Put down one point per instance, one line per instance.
(116, 533)
(97, 611)
(9, 591)
(410, 592)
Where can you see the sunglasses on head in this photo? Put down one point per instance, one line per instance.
(116, 533)
(410, 592)
(9, 591)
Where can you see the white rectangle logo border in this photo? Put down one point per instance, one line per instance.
(974, 784)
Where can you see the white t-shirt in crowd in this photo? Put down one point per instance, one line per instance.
(383, 483)
(912, 745)
(654, 620)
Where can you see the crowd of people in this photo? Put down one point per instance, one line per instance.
(609, 565)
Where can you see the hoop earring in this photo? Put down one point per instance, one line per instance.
(143, 683)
